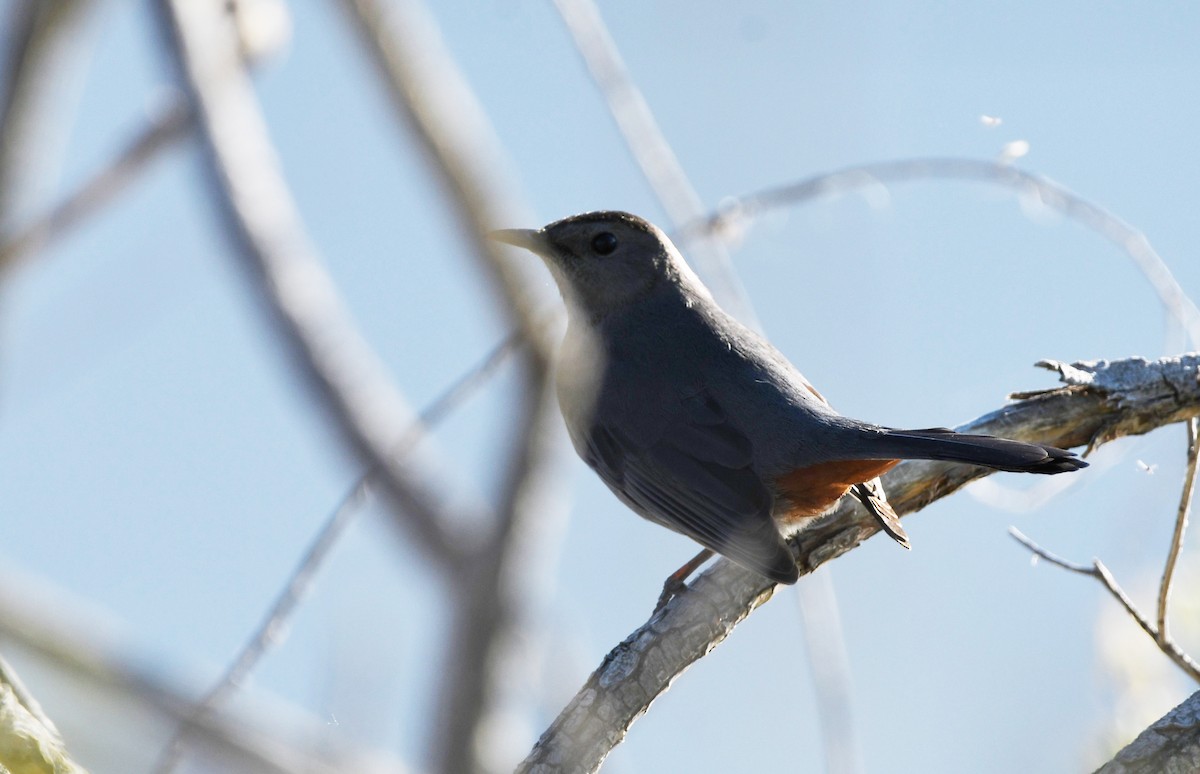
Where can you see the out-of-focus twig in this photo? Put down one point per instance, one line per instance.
(433, 99)
(650, 149)
(161, 132)
(1181, 520)
(1099, 402)
(267, 634)
(270, 238)
(1133, 242)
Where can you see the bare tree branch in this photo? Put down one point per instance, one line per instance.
(1100, 401)
(433, 99)
(262, 219)
(1100, 572)
(1170, 745)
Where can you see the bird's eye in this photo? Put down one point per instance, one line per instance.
(604, 243)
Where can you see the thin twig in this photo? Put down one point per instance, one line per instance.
(167, 127)
(1181, 520)
(1055, 559)
(268, 632)
(1101, 573)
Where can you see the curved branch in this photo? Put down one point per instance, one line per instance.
(1099, 401)
(1053, 195)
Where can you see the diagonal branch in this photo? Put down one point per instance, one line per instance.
(1099, 402)
(163, 131)
(267, 634)
(38, 34)
(268, 234)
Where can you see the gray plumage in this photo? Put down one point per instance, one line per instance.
(698, 423)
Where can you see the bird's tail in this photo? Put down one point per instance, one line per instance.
(940, 443)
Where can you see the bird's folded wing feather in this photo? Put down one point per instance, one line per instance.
(695, 477)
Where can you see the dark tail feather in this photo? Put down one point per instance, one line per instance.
(940, 443)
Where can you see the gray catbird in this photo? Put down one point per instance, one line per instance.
(696, 422)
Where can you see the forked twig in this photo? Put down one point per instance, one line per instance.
(1101, 573)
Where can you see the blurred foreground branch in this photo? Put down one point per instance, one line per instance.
(434, 101)
(1098, 402)
(35, 625)
(267, 230)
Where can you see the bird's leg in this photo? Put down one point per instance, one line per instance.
(675, 583)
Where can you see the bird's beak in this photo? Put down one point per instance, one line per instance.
(533, 241)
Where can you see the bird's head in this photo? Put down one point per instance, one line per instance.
(602, 261)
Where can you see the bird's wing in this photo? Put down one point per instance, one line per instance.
(694, 476)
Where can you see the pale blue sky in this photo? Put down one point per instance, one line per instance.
(160, 462)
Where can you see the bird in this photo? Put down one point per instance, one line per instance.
(699, 424)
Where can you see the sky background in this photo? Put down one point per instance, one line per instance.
(163, 468)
